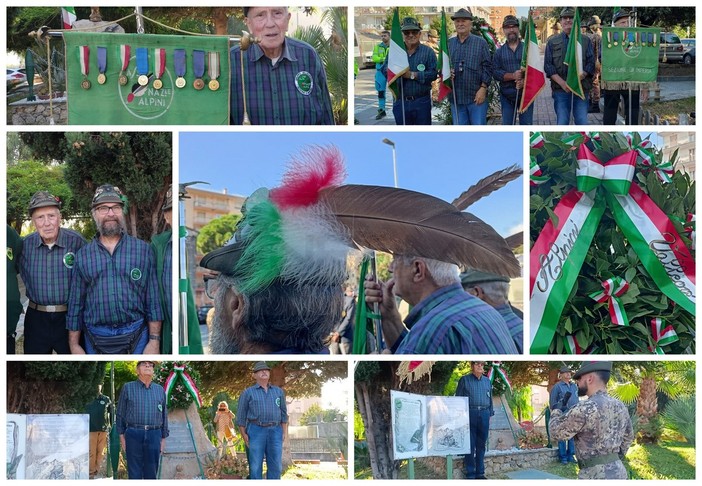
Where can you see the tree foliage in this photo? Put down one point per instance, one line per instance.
(315, 413)
(216, 233)
(611, 254)
(139, 163)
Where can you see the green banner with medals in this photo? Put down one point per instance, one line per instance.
(147, 79)
(629, 57)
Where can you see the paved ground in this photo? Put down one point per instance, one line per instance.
(366, 101)
(531, 474)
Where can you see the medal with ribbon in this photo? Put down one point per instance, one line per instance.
(213, 70)
(560, 250)
(198, 69)
(84, 55)
(142, 60)
(159, 66)
(179, 67)
(124, 57)
(102, 64)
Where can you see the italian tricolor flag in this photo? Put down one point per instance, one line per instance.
(534, 76)
(68, 14)
(398, 62)
(574, 58)
(444, 64)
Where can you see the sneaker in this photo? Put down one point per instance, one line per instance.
(381, 114)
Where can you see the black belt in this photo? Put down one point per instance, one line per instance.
(478, 408)
(264, 424)
(144, 427)
(412, 98)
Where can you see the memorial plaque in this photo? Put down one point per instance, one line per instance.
(16, 445)
(57, 446)
(179, 440)
(448, 426)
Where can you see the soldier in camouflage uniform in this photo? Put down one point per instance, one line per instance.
(600, 425)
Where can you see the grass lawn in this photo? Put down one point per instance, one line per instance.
(669, 110)
(324, 471)
(421, 471)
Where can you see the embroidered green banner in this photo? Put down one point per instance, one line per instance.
(629, 57)
(147, 79)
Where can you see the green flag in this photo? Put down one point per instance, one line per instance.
(574, 58)
(102, 100)
(629, 57)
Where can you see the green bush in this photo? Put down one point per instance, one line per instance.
(679, 416)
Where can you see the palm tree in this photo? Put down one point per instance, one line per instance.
(644, 379)
(333, 51)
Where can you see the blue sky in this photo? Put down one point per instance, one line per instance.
(441, 164)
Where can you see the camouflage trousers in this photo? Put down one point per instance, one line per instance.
(613, 470)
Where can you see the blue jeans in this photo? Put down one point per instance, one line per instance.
(566, 450)
(143, 452)
(116, 331)
(470, 114)
(268, 442)
(562, 102)
(479, 426)
(508, 108)
(417, 111)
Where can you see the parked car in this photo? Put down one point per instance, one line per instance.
(202, 313)
(689, 57)
(671, 48)
(15, 77)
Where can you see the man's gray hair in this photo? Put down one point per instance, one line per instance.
(282, 315)
(497, 292)
(443, 274)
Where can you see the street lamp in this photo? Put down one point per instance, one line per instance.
(387, 141)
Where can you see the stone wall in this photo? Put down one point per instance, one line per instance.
(497, 462)
(38, 112)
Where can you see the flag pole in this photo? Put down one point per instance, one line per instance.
(455, 106)
(516, 108)
(402, 99)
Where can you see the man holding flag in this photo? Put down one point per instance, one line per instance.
(414, 65)
(569, 61)
(471, 71)
(506, 64)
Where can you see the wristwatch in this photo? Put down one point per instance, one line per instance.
(154, 337)
(413, 75)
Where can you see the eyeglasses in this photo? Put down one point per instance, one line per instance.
(103, 210)
(147, 365)
(211, 286)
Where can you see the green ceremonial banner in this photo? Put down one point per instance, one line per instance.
(111, 103)
(629, 57)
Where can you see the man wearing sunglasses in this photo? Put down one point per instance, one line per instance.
(114, 299)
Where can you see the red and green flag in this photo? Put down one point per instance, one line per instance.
(534, 75)
(444, 65)
(398, 62)
(574, 58)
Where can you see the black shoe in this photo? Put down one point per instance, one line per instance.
(480, 477)
(381, 114)
(593, 109)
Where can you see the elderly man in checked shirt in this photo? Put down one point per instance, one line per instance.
(47, 268)
(444, 319)
(477, 387)
(262, 418)
(114, 296)
(471, 71)
(142, 422)
(284, 78)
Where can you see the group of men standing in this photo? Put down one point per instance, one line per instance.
(99, 297)
(473, 68)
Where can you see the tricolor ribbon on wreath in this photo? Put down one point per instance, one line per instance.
(561, 248)
(179, 374)
(496, 370)
(661, 335)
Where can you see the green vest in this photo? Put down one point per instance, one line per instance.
(558, 52)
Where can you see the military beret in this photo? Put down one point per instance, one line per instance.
(472, 276)
(107, 193)
(591, 366)
(463, 13)
(42, 199)
(410, 23)
(260, 365)
(510, 20)
(567, 12)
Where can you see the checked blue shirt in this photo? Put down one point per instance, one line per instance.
(450, 321)
(258, 405)
(422, 61)
(139, 405)
(506, 61)
(114, 289)
(478, 391)
(47, 272)
(472, 65)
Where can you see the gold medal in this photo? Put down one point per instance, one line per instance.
(143, 80)
(85, 84)
(198, 84)
(213, 84)
(158, 84)
(180, 82)
(122, 80)
(102, 78)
